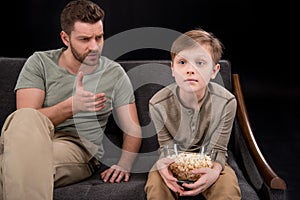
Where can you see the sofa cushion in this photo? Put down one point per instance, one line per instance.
(94, 188)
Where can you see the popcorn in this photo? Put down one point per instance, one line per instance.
(185, 162)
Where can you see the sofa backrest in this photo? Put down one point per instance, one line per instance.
(10, 69)
(147, 76)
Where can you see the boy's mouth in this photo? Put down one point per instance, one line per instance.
(190, 80)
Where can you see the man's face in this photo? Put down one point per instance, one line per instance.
(86, 42)
(193, 68)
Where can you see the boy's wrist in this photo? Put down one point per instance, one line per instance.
(217, 166)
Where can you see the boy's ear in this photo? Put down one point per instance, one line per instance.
(215, 70)
(172, 68)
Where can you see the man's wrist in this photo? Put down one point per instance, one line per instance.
(125, 165)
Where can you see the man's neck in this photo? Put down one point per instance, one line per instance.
(72, 65)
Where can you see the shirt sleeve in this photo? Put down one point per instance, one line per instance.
(221, 135)
(31, 75)
(123, 91)
(158, 118)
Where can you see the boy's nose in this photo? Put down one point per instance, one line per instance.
(190, 69)
(190, 72)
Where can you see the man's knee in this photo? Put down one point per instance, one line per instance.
(27, 118)
(26, 114)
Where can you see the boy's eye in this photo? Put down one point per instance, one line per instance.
(182, 62)
(199, 63)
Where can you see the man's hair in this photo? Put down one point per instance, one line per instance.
(195, 37)
(82, 11)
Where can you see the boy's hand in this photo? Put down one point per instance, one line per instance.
(167, 176)
(208, 177)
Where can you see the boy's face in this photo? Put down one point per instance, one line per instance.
(193, 68)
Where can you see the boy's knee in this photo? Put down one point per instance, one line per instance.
(154, 180)
(226, 186)
(157, 189)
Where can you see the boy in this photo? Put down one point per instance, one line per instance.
(194, 111)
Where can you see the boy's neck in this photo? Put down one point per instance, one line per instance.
(191, 100)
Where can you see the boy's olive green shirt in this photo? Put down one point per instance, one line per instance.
(210, 125)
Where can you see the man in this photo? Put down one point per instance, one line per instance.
(64, 98)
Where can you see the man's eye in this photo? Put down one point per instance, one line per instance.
(99, 37)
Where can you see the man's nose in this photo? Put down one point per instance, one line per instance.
(94, 45)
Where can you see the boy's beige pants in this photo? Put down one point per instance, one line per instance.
(34, 159)
(225, 188)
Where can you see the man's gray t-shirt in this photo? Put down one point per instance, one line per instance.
(41, 71)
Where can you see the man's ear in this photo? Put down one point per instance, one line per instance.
(215, 70)
(65, 38)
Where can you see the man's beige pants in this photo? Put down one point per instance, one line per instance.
(34, 159)
(225, 188)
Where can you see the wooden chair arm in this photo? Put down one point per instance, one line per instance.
(269, 176)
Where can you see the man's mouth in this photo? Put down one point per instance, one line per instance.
(92, 56)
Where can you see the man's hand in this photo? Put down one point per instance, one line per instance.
(115, 174)
(162, 166)
(86, 101)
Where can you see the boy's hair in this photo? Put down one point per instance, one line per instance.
(82, 11)
(195, 37)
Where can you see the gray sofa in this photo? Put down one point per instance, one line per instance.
(256, 178)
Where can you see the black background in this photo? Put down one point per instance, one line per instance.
(260, 39)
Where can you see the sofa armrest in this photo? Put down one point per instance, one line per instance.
(271, 179)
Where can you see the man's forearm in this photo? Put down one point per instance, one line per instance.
(131, 146)
(59, 112)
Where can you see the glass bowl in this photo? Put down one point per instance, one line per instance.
(186, 159)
